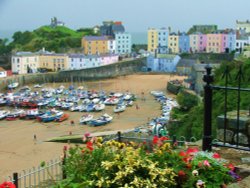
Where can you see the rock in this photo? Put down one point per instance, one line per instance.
(243, 139)
(229, 135)
(245, 160)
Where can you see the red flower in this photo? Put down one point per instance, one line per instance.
(90, 146)
(231, 166)
(191, 151)
(181, 173)
(216, 155)
(155, 140)
(182, 154)
(7, 185)
(164, 138)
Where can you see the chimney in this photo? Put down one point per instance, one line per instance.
(169, 30)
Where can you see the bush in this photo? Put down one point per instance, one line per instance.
(115, 164)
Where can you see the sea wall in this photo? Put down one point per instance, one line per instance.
(103, 72)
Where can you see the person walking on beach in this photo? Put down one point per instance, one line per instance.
(137, 107)
(34, 138)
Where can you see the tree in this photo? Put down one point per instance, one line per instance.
(187, 100)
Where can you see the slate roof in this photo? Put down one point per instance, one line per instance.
(93, 38)
(186, 62)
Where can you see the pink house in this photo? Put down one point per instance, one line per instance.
(109, 59)
(202, 42)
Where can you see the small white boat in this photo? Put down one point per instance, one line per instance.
(3, 114)
(82, 108)
(74, 108)
(119, 108)
(14, 114)
(96, 100)
(129, 103)
(99, 107)
(13, 85)
(86, 118)
(111, 101)
(37, 86)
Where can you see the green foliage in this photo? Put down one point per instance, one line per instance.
(187, 100)
(116, 164)
(190, 123)
(58, 39)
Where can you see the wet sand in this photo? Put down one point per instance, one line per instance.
(18, 150)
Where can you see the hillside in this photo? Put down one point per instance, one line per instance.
(190, 123)
(58, 39)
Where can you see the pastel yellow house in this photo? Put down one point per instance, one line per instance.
(93, 45)
(152, 40)
(173, 43)
(54, 62)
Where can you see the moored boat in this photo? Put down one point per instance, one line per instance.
(3, 114)
(86, 118)
(13, 85)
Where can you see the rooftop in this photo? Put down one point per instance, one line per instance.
(93, 38)
(166, 56)
(186, 62)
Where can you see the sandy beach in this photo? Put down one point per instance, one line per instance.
(18, 151)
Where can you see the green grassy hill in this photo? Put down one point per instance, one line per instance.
(58, 39)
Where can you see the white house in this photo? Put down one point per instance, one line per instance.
(163, 62)
(81, 61)
(123, 43)
(242, 42)
(25, 62)
(3, 73)
(111, 46)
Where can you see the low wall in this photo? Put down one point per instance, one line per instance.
(104, 72)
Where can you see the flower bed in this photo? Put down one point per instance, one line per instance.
(130, 164)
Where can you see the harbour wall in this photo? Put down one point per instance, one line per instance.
(103, 72)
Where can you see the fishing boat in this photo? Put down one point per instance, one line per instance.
(129, 103)
(90, 107)
(37, 86)
(3, 114)
(119, 108)
(111, 101)
(67, 105)
(86, 118)
(74, 108)
(103, 120)
(62, 118)
(13, 85)
(50, 115)
(3, 101)
(99, 107)
(14, 114)
(32, 113)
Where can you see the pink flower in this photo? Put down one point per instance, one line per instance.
(206, 163)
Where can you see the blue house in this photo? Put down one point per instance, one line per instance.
(184, 44)
(162, 62)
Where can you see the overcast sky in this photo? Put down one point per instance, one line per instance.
(137, 15)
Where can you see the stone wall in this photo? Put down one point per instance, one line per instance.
(104, 72)
(231, 131)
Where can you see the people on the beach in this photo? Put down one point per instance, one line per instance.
(137, 107)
